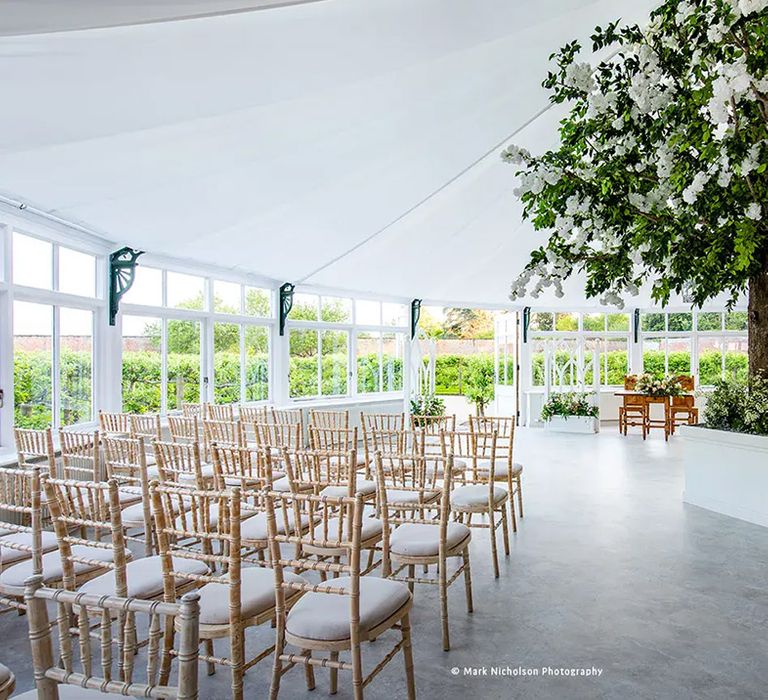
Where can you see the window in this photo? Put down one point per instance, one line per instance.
(75, 366)
(335, 310)
(305, 307)
(367, 313)
(226, 297)
(226, 363)
(258, 302)
(304, 369)
(32, 365)
(182, 384)
(334, 369)
(77, 272)
(142, 364)
(32, 261)
(368, 362)
(147, 287)
(256, 363)
(185, 291)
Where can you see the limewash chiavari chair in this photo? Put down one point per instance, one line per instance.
(22, 537)
(330, 420)
(335, 440)
(147, 426)
(115, 424)
(233, 597)
(407, 479)
(86, 670)
(287, 416)
(193, 410)
(422, 540)
(271, 438)
(373, 423)
(222, 432)
(80, 455)
(333, 445)
(216, 411)
(433, 425)
(506, 469)
(480, 495)
(255, 414)
(179, 463)
(125, 461)
(239, 466)
(184, 429)
(337, 615)
(35, 446)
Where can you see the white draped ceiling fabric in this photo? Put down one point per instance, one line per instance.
(337, 143)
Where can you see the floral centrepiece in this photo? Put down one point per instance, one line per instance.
(653, 386)
(569, 404)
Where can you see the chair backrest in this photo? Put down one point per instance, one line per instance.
(332, 439)
(35, 446)
(338, 526)
(244, 467)
(80, 455)
(190, 410)
(218, 411)
(20, 512)
(382, 421)
(97, 666)
(179, 463)
(630, 382)
(116, 424)
(331, 420)
(255, 414)
(687, 382)
(146, 425)
(318, 469)
(184, 428)
(478, 450)
(277, 435)
(223, 432)
(502, 425)
(287, 416)
(432, 425)
(491, 448)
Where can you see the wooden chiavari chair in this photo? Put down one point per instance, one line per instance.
(335, 440)
(633, 408)
(682, 409)
(22, 537)
(272, 438)
(374, 424)
(243, 467)
(115, 424)
(233, 597)
(80, 455)
(329, 420)
(125, 462)
(480, 495)
(220, 411)
(147, 426)
(425, 541)
(184, 429)
(337, 615)
(193, 410)
(287, 416)
(181, 464)
(506, 469)
(35, 446)
(432, 426)
(53, 679)
(222, 432)
(255, 414)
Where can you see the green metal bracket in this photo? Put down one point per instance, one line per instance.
(526, 322)
(286, 304)
(636, 325)
(415, 314)
(122, 272)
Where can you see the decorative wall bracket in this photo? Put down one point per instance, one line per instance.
(286, 304)
(526, 322)
(415, 314)
(122, 272)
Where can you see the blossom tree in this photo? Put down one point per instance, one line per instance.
(660, 176)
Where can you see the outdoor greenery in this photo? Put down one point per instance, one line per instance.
(430, 405)
(739, 406)
(660, 177)
(479, 385)
(568, 404)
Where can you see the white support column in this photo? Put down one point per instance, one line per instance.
(6, 339)
(279, 360)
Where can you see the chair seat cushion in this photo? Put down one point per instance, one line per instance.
(405, 496)
(476, 495)
(325, 617)
(502, 467)
(371, 527)
(129, 495)
(282, 485)
(12, 579)
(459, 465)
(66, 692)
(363, 486)
(9, 556)
(5, 677)
(423, 540)
(255, 528)
(144, 576)
(206, 470)
(257, 594)
(359, 462)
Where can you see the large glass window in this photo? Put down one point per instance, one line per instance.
(183, 363)
(304, 370)
(77, 272)
(142, 364)
(256, 363)
(335, 362)
(75, 366)
(147, 287)
(32, 261)
(226, 363)
(185, 291)
(368, 362)
(32, 364)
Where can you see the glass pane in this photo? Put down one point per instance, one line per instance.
(367, 354)
(618, 322)
(392, 353)
(567, 322)
(302, 372)
(736, 359)
(147, 287)
(537, 362)
(542, 321)
(141, 364)
(591, 345)
(652, 322)
(226, 363)
(305, 307)
(226, 297)
(678, 356)
(654, 361)
(709, 321)
(258, 302)
(76, 348)
(32, 261)
(593, 322)
(32, 364)
(710, 360)
(394, 314)
(616, 365)
(256, 363)
(335, 362)
(505, 340)
(183, 363)
(335, 310)
(77, 272)
(185, 291)
(367, 313)
(680, 322)
(736, 321)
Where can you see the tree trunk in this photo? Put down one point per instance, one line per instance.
(758, 323)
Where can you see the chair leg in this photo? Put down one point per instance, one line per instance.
(494, 552)
(334, 674)
(210, 666)
(468, 580)
(505, 528)
(519, 482)
(411, 575)
(309, 672)
(277, 666)
(405, 627)
(442, 584)
(357, 672)
(238, 653)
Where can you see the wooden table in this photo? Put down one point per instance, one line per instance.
(648, 400)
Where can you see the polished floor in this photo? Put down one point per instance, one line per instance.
(609, 570)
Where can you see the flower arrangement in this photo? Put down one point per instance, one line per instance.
(653, 386)
(569, 404)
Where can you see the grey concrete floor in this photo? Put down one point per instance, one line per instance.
(609, 569)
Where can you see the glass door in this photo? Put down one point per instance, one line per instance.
(506, 362)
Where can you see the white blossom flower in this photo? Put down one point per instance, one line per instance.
(754, 212)
(515, 154)
(579, 76)
(691, 193)
(749, 7)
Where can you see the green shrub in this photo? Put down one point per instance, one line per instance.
(738, 406)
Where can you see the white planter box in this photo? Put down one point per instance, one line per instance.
(572, 424)
(727, 473)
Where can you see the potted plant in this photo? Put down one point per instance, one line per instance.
(479, 385)
(570, 412)
(427, 405)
